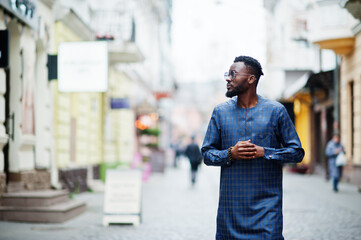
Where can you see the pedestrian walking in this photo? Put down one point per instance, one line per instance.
(250, 138)
(194, 155)
(333, 149)
(177, 153)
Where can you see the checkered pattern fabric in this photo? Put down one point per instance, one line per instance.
(250, 199)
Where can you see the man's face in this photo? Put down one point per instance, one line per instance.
(239, 84)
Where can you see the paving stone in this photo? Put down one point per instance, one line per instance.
(174, 210)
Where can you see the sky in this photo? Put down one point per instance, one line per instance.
(206, 37)
(208, 34)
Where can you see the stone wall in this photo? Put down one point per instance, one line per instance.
(96, 171)
(352, 174)
(2, 184)
(75, 180)
(29, 180)
(351, 133)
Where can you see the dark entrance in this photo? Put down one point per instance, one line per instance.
(321, 89)
(9, 124)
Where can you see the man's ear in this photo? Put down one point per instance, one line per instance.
(252, 79)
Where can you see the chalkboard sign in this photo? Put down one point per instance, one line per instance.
(122, 198)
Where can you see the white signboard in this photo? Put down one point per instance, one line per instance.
(122, 199)
(83, 66)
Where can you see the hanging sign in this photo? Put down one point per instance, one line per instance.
(119, 103)
(83, 66)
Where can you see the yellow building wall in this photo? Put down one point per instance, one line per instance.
(351, 72)
(119, 139)
(83, 111)
(303, 126)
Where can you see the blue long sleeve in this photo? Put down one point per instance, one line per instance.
(212, 151)
(291, 151)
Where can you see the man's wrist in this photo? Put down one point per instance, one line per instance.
(262, 152)
(229, 153)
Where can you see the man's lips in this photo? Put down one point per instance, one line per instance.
(229, 86)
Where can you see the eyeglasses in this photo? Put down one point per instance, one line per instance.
(233, 74)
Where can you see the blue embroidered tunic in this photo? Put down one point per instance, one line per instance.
(250, 195)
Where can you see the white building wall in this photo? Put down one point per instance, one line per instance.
(22, 60)
(43, 98)
(288, 48)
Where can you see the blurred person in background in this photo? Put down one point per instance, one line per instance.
(333, 149)
(250, 138)
(178, 151)
(194, 155)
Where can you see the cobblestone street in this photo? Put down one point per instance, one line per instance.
(312, 211)
(174, 210)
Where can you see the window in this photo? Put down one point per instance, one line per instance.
(351, 111)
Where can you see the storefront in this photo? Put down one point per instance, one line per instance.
(22, 161)
(313, 109)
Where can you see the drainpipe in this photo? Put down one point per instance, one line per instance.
(336, 93)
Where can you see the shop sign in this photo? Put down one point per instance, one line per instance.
(24, 10)
(119, 103)
(160, 95)
(83, 66)
(52, 67)
(4, 48)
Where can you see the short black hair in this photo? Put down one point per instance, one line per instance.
(252, 65)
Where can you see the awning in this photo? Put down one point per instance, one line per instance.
(311, 81)
(297, 86)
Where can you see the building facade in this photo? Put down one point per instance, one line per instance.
(26, 103)
(320, 75)
(291, 61)
(78, 116)
(338, 30)
(49, 137)
(350, 109)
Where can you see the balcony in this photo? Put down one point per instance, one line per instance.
(124, 52)
(330, 26)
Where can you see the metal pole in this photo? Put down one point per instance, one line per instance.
(336, 99)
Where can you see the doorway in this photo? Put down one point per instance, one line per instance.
(8, 123)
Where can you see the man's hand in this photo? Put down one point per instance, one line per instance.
(338, 150)
(246, 150)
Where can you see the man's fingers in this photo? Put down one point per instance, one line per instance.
(246, 154)
(248, 149)
(247, 158)
(245, 144)
(245, 150)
